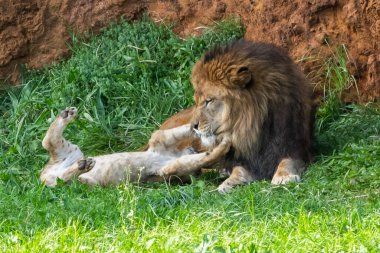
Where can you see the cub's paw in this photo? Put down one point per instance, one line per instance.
(285, 179)
(86, 164)
(69, 114)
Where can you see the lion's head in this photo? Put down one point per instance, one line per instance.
(244, 90)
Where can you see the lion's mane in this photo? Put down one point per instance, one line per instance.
(267, 98)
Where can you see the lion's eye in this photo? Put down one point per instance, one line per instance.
(207, 101)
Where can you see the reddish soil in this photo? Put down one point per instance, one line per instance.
(36, 32)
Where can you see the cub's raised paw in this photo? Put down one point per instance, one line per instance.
(69, 113)
(285, 179)
(86, 164)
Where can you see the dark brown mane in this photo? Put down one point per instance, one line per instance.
(268, 99)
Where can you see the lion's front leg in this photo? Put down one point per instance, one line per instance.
(288, 170)
(239, 175)
(189, 164)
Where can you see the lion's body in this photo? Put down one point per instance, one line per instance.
(254, 95)
(267, 106)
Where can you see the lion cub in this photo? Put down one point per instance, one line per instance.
(67, 160)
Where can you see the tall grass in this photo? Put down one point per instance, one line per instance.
(338, 79)
(127, 81)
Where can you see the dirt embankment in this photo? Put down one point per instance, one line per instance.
(36, 32)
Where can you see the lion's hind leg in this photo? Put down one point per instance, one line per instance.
(287, 171)
(239, 175)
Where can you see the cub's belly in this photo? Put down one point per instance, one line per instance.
(133, 167)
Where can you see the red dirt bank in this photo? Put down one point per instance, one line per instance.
(36, 32)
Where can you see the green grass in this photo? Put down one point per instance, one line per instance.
(127, 81)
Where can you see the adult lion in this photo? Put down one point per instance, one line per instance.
(255, 106)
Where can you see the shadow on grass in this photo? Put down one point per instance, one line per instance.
(348, 124)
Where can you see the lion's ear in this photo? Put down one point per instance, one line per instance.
(240, 76)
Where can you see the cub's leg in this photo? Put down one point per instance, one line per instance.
(288, 170)
(239, 175)
(54, 142)
(188, 164)
(63, 153)
(78, 168)
(167, 140)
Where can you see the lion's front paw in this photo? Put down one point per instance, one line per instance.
(86, 164)
(69, 113)
(224, 188)
(285, 179)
